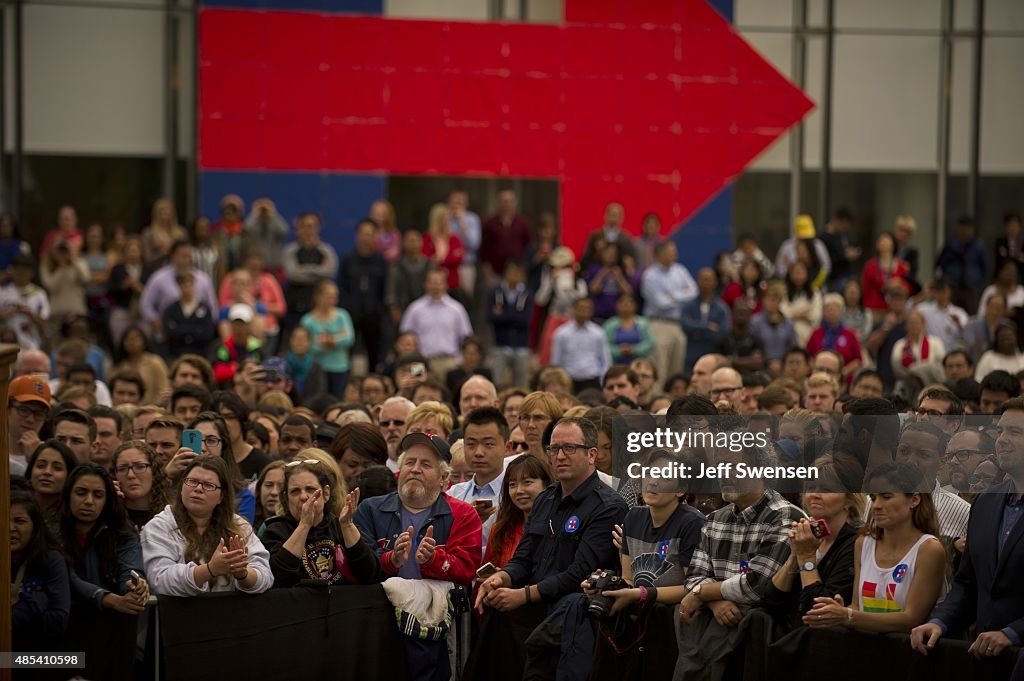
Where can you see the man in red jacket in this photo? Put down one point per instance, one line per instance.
(422, 533)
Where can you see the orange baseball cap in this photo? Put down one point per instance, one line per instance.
(30, 389)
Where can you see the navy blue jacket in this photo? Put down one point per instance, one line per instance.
(511, 321)
(700, 339)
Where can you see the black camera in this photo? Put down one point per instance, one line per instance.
(603, 580)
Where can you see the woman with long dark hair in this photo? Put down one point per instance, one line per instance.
(607, 280)
(314, 537)
(142, 481)
(198, 544)
(749, 285)
(900, 564)
(525, 478)
(40, 591)
(48, 469)
(107, 584)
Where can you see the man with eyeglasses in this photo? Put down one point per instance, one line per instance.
(647, 377)
(567, 537)
(965, 451)
(727, 386)
(938, 405)
(28, 407)
(394, 413)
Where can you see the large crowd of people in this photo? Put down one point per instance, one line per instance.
(238, 407)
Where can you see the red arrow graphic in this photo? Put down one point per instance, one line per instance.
(656, 104)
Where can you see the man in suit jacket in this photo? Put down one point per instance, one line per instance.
(988, 589)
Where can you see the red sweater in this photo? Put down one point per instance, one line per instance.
(451, 261)
(875, 280)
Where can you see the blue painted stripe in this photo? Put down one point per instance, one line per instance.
(340, 199)
(340, 6)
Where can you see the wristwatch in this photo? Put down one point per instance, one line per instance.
(696, 593)
(808, 566)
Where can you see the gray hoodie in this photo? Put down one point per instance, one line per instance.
(163, 551)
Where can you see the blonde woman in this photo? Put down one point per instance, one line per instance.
(162, 231)
(442, 245)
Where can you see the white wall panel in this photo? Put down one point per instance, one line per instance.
(93, 81)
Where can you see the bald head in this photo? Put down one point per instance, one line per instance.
(727, 384)
(702, 370)
(477, 392)
(32, 362)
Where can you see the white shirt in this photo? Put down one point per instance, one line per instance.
(470, 491)
(102, 391)
(581, 350)
(440, 325)
(945, 324)
(36, 300)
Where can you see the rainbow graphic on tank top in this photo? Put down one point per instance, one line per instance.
(870, 602)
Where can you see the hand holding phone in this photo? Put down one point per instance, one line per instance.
(192, 439)
(486, 570)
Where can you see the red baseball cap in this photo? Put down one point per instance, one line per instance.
(30, 389)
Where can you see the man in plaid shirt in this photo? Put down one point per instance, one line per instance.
(742, 546)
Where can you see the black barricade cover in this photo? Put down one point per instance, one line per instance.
(840, 655)
(342, 633)
(832, 452)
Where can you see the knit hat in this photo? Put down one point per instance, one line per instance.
(803, 226)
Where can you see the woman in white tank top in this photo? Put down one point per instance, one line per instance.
(900, 563)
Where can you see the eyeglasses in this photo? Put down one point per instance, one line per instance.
(725, 391)
(516, 446)
(213, 441)
(228, 416)
(207, 486)
(964, 454)
(569, 449)
(534, 418)
(311, 462)
(397, 423)
(981, 479)
(29, 412)
(134, 468)
(928, 412)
